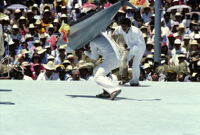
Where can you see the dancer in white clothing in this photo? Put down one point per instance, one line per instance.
(102, 45)
(136, 46)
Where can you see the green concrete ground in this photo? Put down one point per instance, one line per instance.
(71, 108)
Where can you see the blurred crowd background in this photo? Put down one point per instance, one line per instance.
(31, 50)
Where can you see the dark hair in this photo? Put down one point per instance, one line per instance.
(125, 21)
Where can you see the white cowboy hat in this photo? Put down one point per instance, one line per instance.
(50, 66)
(40, 50)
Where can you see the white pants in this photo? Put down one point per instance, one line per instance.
(137, 53)
(100, 72)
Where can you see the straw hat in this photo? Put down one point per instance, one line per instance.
(25, 64)
(76, 5)
(63, 16)
(15, 26)
(85, 65)
(24, 51)
(31, 26)
(193, 22)
(114, 25)
(194, 42)
(197, 36)
(47, 47)
(178, 14)
(42, 36)
(38, 22)
(27, 36)
(149, 42)
(40, 50)
(37, 42)
(51, 26)
(146, 65)
(29, 11)
(186, 36)
(63, 7)
(50, 66)
(70, 56)
(46, 6)
(59, 0)
(177, 42)
(22, 18)
(69, 68)
(66, 62)
(143, 27)
(47, 11)
(17, 11)
(50, 57)
(181, 56)
(62, 47)
(56, 21)
(181, 25)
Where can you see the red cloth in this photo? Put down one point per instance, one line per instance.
(53, 40)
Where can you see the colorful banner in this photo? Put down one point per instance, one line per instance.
(64, 29)
(139, 3)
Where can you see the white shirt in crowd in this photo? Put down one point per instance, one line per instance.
(43, 76)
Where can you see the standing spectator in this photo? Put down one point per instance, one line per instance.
(136, 45)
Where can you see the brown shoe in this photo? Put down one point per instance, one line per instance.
(114, 94)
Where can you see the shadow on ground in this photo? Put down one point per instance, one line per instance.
(117, 98)
(128, 85)
(5, 90)
(7, 103)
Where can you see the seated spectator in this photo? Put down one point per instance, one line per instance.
(86, 70)
(27, 70)
(36, 60)
(60, 69)
(49, 73)
(75, 76)
(153, 77)
(171, 76)
(36, 71)
(177, 50)
(61, 56)
(194, 47)
(181, 77)
(149, 47)
(66, 63)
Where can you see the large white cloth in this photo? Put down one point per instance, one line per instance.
(43, 76)
(105, 47)
(136, 44)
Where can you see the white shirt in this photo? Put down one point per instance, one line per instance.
(43, 76)
(133, 38)
(103, 46)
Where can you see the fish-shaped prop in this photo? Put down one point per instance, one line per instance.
(86, 30)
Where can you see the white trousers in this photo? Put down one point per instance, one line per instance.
(137, 53)
(100, 72)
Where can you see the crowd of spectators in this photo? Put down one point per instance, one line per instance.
(32, 51)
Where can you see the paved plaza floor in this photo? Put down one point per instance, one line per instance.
(71, 108)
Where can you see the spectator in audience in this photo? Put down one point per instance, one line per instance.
(49, 73)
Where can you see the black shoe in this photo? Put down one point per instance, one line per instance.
(134, 84)
(105, 94)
